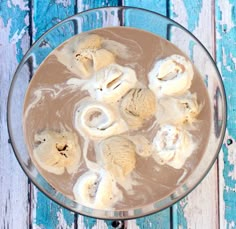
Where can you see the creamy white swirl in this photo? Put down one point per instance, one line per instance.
(111, 83)
(172, 146)
(97, 190)
(96, 120)
(171, 76)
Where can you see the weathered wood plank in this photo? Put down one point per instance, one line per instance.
(46, 213)
(14, 40)
(226, 61)
(200, 208)
(161, 219)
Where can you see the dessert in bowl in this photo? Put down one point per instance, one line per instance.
(118, 120)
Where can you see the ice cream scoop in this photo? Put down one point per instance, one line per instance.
(97, 120)
(172, 146)
(56, 152)
(138, 105)
(117, 155)
(111, 83)
(97, 190)
(84, 55)
(171, 76)
(179, 109)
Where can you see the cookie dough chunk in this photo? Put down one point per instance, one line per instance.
(172, 146)
(56, 152)
(111, 83)
(97, 190)
(117, 155)
(171, 76)
(138, 105)
(96, 120)
(84, 55)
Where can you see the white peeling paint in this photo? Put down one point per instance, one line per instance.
(224, 57)
(65, 3)
(18, 35)
(232, 225)
(221, 190)
(21, 3)
(100, 224)
(80, 222)
(62, 222)
(181, 16)
(225, 6)
(232, 159)
(82, 6)
(132, 224)
(203, 31)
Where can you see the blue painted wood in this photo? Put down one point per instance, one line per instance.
(19, 24)
(48, 13)
(14, 41)
(225, 56)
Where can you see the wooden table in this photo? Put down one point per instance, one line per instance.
(211, 205)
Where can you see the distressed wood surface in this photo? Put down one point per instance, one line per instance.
(14, 41)
(226, 61)
(211, 205)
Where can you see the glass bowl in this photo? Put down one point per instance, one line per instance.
(109, 17)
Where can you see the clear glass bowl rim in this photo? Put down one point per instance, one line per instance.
(222, 134)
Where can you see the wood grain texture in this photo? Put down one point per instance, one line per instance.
(200, 208)
(226, 61)
(14, 40)
(22, 204)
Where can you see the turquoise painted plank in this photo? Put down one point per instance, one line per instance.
(45, 15)
(48, 13)
(19, 24)
(193, 9)
(148, 24)
(51, 215)
(158, 6)
(225, 56)
(14, 41)
(159, 220)
(90, 4)
(163, 218)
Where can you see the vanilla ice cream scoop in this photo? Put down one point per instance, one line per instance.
(117, 155)
(178, 110)
(97, 120)
(111, 83)
(56, 152)
(138, 105)
(84, 55)
(97, 190)
(172, 146)
(171, 76)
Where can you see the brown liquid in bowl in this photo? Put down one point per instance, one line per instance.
(54, 110)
